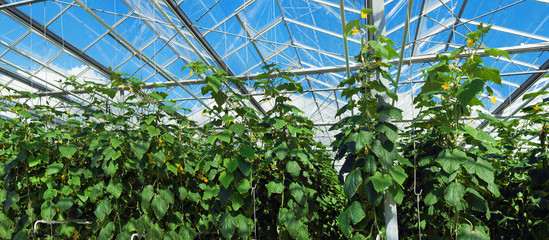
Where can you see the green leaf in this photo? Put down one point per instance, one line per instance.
(451, 161)
(279, 123)
(466, 232)
(158, 158)
(275, 186)
(343, 221)
(103, 209)
(244, 226)
(370, 164)
(115, 187)
(482, 168)
(115, 142)
(107, 232)
(153, 132)
(430, 199)
(237, 128)
(390, 111)
(469, 90)
(214, 82)
(382, 51)
(159, 206)
(293, 168)
(352, 182)
(358, 140)
(297, 192)
(390, 130)
(67, 150)
(227, 225)
(210, 192)
(494, 52)
(398, 174)
(140, 148)
(243, 186)
(230, 163)
(182, 193)
(386, 152)
(54, 168)
(246, 151)
(381, 181)
(226, 179)
(357, 212)
(281, 150)
(453, 193)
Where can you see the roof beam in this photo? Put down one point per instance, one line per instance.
(209, 49)
(416, 59)
(18, 4)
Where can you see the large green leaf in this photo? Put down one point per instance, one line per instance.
(54, 168)
(482, 168)
(390, 111)
(469, 90)
(352, 182)
(246, 151)
(398, 174)
(281, 150)
(214, 82)
(115, 187)
(357, 212)
(67, 150)
(275, 186)
(386, 152)
(453, 193)
(227, 225)
(226, 179)
(107, 232)
(293, 168)
(381, 181)
(103, 209)
(140, 148)
(159, 206)
(452, 160)
(297, 192)
(344, 222)
(466, 232)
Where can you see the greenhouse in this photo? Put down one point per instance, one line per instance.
(274, 119)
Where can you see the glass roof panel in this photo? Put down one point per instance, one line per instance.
(246, 34)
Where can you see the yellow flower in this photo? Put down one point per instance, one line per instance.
(446, 86)
(188, 126)
(11, 98)
(234, 104)
(60, 141)
(452, 141)
(191, 73)
(287, 118)
(75, 235)
(470, 42)
(378, 63)
(354, 31)
(493, 99)
(63, 177)
(428, 125)
(68, 112)
(26, 109)
(122, 87)
(222, 146)
(536, 108)
(88, 124)
(202, 113)
(456, 59)
(160, 141)
(131, 89)
(205, 179)
(215, 133)
(363, 14)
